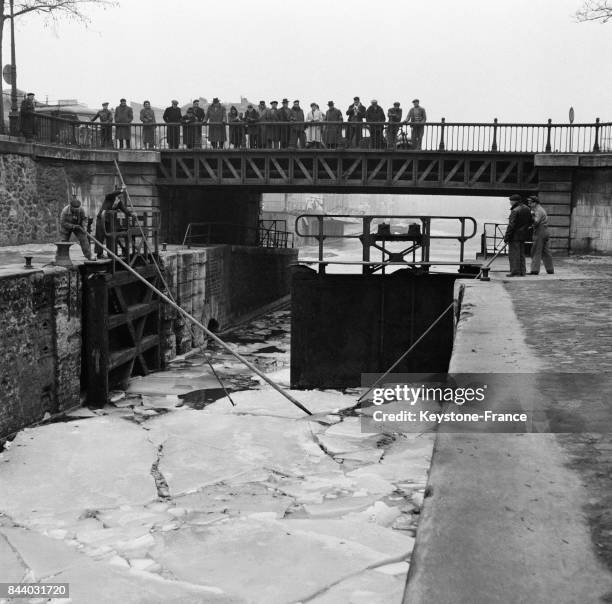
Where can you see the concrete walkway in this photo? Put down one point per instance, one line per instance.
(506, 520)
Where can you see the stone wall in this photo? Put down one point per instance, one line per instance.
(35, 184)
(591, 229)
(40, 329)
(220, 285)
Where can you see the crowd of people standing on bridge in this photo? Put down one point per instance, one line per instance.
(268, 126)
(258, 127)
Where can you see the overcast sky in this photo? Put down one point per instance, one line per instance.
(467, 60)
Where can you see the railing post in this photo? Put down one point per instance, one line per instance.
(441, 145)
(596, 145)
(548, 129)
(494, 143)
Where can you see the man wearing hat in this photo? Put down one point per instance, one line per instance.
(516, 235)
(115, 202)
(123, 118)
(375, 115)
(172, 116)
(333, 132)
(417, 118)
(284, 115)
(216, 116)
(356, 113)
(251, 117)
(200, 117)
(106, 125)
(297, 130)
(73, 220)
(272, 132)
(539, 248)
(395, 117)
(27, 116)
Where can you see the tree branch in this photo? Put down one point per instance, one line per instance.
(71, 8)
(595, 10)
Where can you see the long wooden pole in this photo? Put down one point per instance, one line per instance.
(209, 333)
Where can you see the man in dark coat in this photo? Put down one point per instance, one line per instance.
(356, 113)
(516, 235)
(272, 131)
(251, 117)
(105, 115)
(333, 132)
(298, 127)
(114, 202)
(124, 116)
(284, 115)
(197, 127)
(395, 117)
(27, 116)
(172, 116)
(188, 121)
(375, 114)
(216, 115)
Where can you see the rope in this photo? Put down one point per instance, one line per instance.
(159, 272)
(209, 333)
(382, 377)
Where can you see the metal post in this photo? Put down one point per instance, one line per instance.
(596, 145)
(494, 143)
(548, 129)
(96, 344)
(14, 113)
(441, 145)
(365, 242)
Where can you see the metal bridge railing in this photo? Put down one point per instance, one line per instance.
(269, 233)
(436, 136)
(492, 238)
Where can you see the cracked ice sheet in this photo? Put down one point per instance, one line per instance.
(202, 450)
(65, 468)
(369, 587)
(266, 560)
(99, 583)
(268, 401)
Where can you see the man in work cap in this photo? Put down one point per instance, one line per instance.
(26, 117)
(539, 248)
(114, 202)
(284, 115)
(106, 124)
(73, 220)
(516, 235)
(417, 116)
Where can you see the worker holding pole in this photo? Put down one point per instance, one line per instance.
(112, 201)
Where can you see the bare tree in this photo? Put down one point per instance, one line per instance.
(595, 10)
(53, 10)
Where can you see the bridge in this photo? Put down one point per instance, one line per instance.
(180, 169)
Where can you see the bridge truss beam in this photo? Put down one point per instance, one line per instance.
(351, 171)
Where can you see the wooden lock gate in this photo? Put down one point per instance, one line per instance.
(121, 315)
